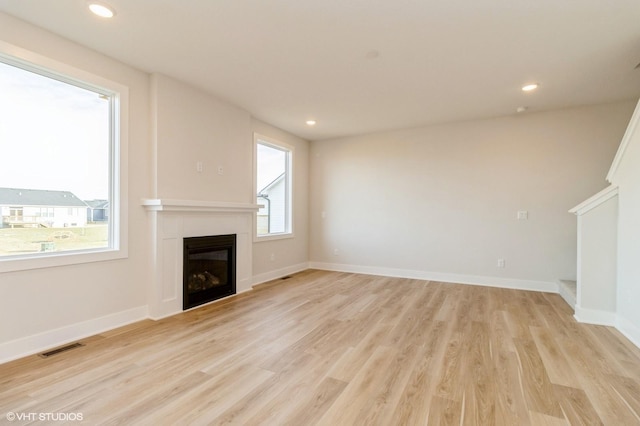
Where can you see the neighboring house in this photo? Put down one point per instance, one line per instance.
(271, 217)
(98, 210)
(36, 207)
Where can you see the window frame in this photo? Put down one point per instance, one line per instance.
(289, 189)
(118, 160)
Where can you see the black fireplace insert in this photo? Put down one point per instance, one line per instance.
(209, 269)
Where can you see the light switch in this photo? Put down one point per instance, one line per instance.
(523, 215)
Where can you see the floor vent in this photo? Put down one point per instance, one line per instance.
(286, 278)
(60, 350)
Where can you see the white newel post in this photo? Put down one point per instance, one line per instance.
(597, 251)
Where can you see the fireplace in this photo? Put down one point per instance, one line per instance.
(209, 269)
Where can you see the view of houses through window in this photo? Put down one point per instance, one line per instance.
(273, 169)
(55, 163)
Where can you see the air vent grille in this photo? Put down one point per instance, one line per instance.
(60, 350)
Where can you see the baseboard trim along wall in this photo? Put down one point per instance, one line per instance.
(40, 342)
(37, 343)
(630, 330)
(592, 316)
(279, 273)
(517, 284)
(30, 345)
(588, 316)
(611, 319)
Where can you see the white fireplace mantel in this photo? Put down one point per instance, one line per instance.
(157, 204)
(172, 221)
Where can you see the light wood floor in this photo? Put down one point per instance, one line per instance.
(341, 349)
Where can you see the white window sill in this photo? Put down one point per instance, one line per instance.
(273, 237)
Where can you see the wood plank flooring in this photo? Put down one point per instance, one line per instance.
(331, 348)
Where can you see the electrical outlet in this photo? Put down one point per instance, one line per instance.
(272, 257)
(523, 215)
(220, 170)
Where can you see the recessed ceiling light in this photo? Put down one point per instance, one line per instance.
(311, 122)
(529, 87)
(101, 9)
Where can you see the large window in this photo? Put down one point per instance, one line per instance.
(273, 187)
(59, 163)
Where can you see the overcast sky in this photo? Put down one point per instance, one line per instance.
(52, 135)
(270, 166)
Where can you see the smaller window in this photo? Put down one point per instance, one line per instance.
(273, 187)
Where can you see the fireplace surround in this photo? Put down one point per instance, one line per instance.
(172, 221)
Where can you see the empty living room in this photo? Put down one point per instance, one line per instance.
(319, 213)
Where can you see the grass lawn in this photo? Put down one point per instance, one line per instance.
(33, 240)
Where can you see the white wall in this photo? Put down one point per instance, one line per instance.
(172, 126)
(47, 306)
(627, 177)
(191, 126)
(289, 254)
(440, 202)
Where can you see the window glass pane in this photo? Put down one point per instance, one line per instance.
(273, 189)
(54, 165)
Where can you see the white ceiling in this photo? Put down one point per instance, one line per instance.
(286, 61)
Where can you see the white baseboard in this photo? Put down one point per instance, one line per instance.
(630, 330)
(588, 316)
(40, 342)
(566, 294)
(593, 316)
(518, 284)
(624, 326)
(279, 273)
(30, 345)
